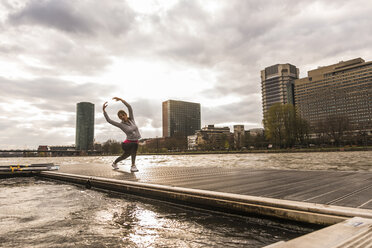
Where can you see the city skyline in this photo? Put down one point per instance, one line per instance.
(54, 54)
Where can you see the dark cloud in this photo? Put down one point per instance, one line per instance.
(206, 38)
(245, 37)
(55, 14)
(53, 94)
(77, 36)
(243, 111)
(76, 17)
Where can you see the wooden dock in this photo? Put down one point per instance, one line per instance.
(340, 188)
(340, 199)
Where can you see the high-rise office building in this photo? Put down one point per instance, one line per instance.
(180, 117)
(84, 126)
(343, 89)
(277, 85)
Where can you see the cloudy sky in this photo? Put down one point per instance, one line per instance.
(56, 53)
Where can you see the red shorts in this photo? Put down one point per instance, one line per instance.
(130, 141)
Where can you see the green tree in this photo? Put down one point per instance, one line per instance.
(273, 123)
(176, 143)
(283, 127)
(260, 141)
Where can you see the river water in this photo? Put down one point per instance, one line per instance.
(40, 213)
(345, 161)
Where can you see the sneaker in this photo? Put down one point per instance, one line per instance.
(115, 166)
(133, 169)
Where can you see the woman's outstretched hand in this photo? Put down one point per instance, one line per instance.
(117, 99)
(104, 107)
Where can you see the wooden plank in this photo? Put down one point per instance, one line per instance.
(307, 190)
(357, 199)
(326, 187)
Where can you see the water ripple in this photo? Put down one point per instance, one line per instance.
(40, 213)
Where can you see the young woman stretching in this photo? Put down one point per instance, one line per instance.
(129, 127)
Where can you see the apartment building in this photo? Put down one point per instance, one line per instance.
(339, 90)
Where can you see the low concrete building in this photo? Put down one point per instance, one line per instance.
(211, 137)
(255, 131)
(191, 142)
(43, 148)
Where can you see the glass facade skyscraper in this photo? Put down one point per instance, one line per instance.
(84, 126)
(180, 117)
(277, 85)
